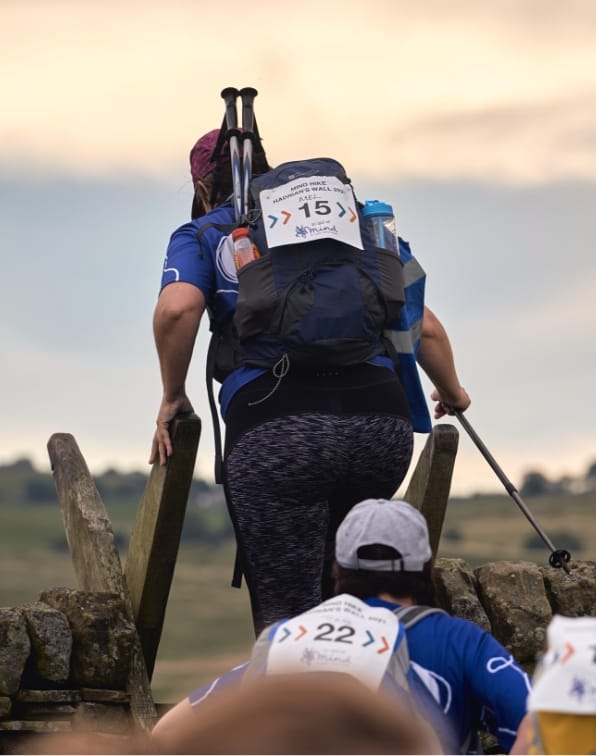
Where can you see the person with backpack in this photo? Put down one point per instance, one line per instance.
(304, 441)
(384, 560)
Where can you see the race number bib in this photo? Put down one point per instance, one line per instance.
(342, 634)
(565, 679)
(315, 207)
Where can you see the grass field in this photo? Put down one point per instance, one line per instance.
(208, 627)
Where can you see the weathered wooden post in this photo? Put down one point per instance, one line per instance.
(430, 483)
(95, 556)
(155, 538)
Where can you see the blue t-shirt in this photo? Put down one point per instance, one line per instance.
(474, 679)
(208, 264)
(478, 683)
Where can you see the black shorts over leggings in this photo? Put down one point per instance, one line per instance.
(296, 463)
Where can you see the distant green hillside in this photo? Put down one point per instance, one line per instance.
(26, 494)
(478, 528)
(208, 626)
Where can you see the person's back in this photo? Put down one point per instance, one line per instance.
(383, 558)
(475, 680)
(303, 442)
(342, 639)
(455, 672)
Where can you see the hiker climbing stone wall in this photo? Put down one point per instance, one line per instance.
(64, 660)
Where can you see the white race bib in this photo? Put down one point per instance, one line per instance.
(342, 634)
(311, 207)
(565, 680)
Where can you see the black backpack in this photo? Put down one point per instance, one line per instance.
(321, 293)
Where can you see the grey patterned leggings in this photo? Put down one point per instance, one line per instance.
(289, 483)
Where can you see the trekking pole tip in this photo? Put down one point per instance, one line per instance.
(560, 558)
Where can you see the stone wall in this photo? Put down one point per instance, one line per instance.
(64, 660)
(64, 663)
(516, 600)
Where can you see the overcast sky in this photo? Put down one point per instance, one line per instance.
(477, 120)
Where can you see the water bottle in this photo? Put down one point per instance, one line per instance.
(244, 250)
(382, 223)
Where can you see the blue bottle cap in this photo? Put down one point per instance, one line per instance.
(376, 207)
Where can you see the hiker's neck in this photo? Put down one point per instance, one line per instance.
(403, 600)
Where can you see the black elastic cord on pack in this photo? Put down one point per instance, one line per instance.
(210, 369)
(255, 138)
(558, 557)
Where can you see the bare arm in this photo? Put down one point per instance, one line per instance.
(525, 736)
(175, 324)
(435, 357)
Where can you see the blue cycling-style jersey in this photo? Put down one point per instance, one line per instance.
(208, 264)
(475, 681)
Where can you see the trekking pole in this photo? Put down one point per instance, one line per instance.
(247, 95)
(229, 95)
(558, 557)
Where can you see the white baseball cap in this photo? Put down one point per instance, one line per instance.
(386, 522)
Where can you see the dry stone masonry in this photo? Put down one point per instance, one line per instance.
(65, 659)
(64, 663)
(516, 600)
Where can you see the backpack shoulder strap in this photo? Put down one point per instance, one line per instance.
(226, 228)
(400, 664)
(214, 343)
(411, 615)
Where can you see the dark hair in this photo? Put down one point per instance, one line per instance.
(222, 186)
(419, 586)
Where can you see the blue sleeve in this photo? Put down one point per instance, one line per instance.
(187, 261)
(225, 682)
(478, 682)
(499, 683)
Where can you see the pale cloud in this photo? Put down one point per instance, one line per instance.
(554, 140)
(568, 309)
(443, 107)
(429, 90)
(47, 391)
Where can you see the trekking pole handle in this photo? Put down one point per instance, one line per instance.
(247, 96)
(229, 95)
(558, 557)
